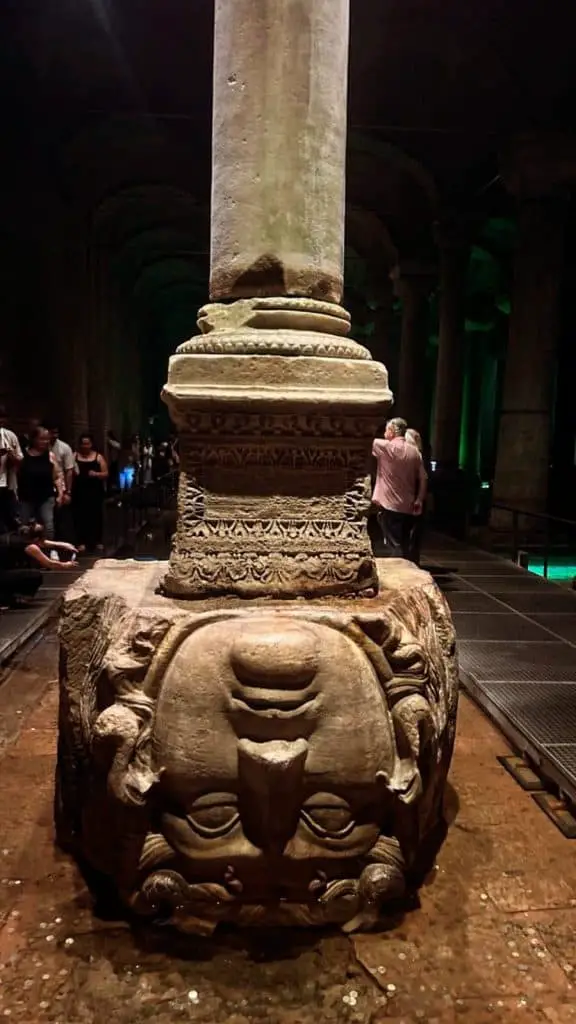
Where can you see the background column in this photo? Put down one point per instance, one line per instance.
(451, 350)
(523, 455)
(412, 286)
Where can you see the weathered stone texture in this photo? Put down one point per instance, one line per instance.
(254, 761)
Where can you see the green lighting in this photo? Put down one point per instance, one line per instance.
(485, 485)
(558, 569)
(483, 326)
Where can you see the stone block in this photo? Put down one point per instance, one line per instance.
(254, 761)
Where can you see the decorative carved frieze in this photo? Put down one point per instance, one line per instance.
(273, 503)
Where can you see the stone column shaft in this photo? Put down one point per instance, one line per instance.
(522, 462)
(450, 365)
(279, 140)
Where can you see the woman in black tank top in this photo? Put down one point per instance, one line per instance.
(88, 490)
(39, 482)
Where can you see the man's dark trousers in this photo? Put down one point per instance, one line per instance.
(397, 532)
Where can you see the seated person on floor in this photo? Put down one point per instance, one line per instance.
(19, 550)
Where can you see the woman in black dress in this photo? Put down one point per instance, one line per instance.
(88, 492)
(40, 482)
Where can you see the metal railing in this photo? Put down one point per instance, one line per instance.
(128, 512)
(537, 535)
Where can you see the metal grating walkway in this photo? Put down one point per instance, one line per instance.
(517, 650)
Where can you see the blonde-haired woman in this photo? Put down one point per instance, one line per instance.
(414, 438)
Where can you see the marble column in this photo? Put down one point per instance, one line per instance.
(276, 407)
(451, 355)
(279, 137)
(412, 285)
(523, 453)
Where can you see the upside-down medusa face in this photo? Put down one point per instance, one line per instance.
(276, 744)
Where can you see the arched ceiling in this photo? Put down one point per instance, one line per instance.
(148, 240)
(121, 212)
(438, 79)
(106, 108)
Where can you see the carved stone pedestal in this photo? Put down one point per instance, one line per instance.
(276, 411)
(260, 762)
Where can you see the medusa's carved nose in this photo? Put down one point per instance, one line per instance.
(275, 654)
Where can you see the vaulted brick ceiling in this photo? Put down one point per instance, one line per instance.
(443, 79)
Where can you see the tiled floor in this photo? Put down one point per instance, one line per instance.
(517, 649)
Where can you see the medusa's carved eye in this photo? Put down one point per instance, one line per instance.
(214, 815)
(328, 815)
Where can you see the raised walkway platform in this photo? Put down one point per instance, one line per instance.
(17, 626)
(517, 650)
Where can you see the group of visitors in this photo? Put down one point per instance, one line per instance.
(52, 497)
(44, 482)
(51, 505)
(152, 461)
(400, 489)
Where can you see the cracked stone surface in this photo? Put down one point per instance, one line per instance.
(492, 939)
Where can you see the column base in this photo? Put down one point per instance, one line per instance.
(254, 762)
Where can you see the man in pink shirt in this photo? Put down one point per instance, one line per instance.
(400, 487)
